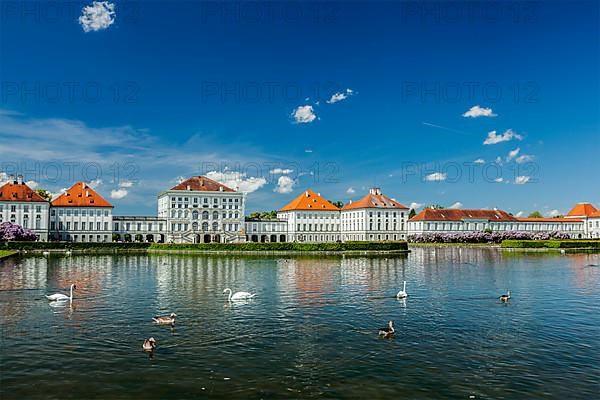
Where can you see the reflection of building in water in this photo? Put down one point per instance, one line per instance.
(586, 271)
(372, 273)
(309, 279)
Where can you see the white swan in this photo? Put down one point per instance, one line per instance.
(402, 293)
(62, 297)
(68, 253)
(238, 295)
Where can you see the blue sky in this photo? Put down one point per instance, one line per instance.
(337, 97)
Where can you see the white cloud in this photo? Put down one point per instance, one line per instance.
(238, 181)
(523, 158)
(436, 177)
(304, 114)
(350, 190)
(285, 184)
(61, 191)
(477, 111)
(479, 161)
(126, 184)
(281, 171)
(522, 179)
(553, 213)
(32, 184)
(308, 150)
(95, 183)
(509, 134)
(340, 96)
(414, 205)
(97, 16)
(499, 180)
(512, 154)
(118, 193)
(456, 206)
(520, 214)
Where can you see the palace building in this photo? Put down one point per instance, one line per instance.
(21, 205)
(201, 210)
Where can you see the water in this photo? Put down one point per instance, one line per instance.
(310, 333)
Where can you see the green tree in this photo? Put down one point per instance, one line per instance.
(264, 214)
(559, 216)
(338, 204)
(411, 213)
(45, 194)
(536, 214)
(435, 207)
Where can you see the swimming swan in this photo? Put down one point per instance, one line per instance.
(62, 297)
(402, 293)
(165, 319)
(388, 331)
(238, 295)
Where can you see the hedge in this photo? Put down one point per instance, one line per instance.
(285, 246)
(249, 246)
(552, 244)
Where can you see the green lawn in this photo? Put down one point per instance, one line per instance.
(6, 253)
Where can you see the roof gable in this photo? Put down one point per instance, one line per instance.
(80, 195)
(203, 184)
(582, 210)
(13, 191)
(430, 214)
(374, 200)
(309, 201)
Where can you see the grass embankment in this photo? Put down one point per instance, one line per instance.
(6, 253)
(211, 247)
(551, 244)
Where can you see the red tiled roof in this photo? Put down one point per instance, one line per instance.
(549, 220)
(595, 215)
(582, 210)
(13, 191)
(80, 195)
(309, 200)
(430, 214)
(374, 201)
(202, 183)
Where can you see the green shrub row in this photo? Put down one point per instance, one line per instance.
(552, 244)
(250, 246)
(285, 246)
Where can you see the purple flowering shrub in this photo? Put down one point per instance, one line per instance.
(484, 237)
(10, 231)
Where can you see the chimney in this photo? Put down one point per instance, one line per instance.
(20, 179)
(220, 188)
(319, 194)
(375, 191)
(350, 202)
(11, 179)
(189, 188)
(306, 193)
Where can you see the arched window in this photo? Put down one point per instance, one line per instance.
(215, 215)
(205, 226)
(215, 226)
(173, 213)
(204, 214)
(194, 214)
(195, 226)
(180, 214)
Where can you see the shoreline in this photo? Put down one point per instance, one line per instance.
(7, 253)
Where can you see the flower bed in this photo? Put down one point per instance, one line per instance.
(484, 237)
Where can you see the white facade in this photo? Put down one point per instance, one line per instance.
(374, 217)
(266, 230)
(140, 229)
(312, 226)
(81, 224)
(202, 216)
(20, 205)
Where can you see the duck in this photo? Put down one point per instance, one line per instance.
(402, 293)
(505, 297)
(388, 331)
(237, 296)
(149, 344)
(62, 297)
(165, 319)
